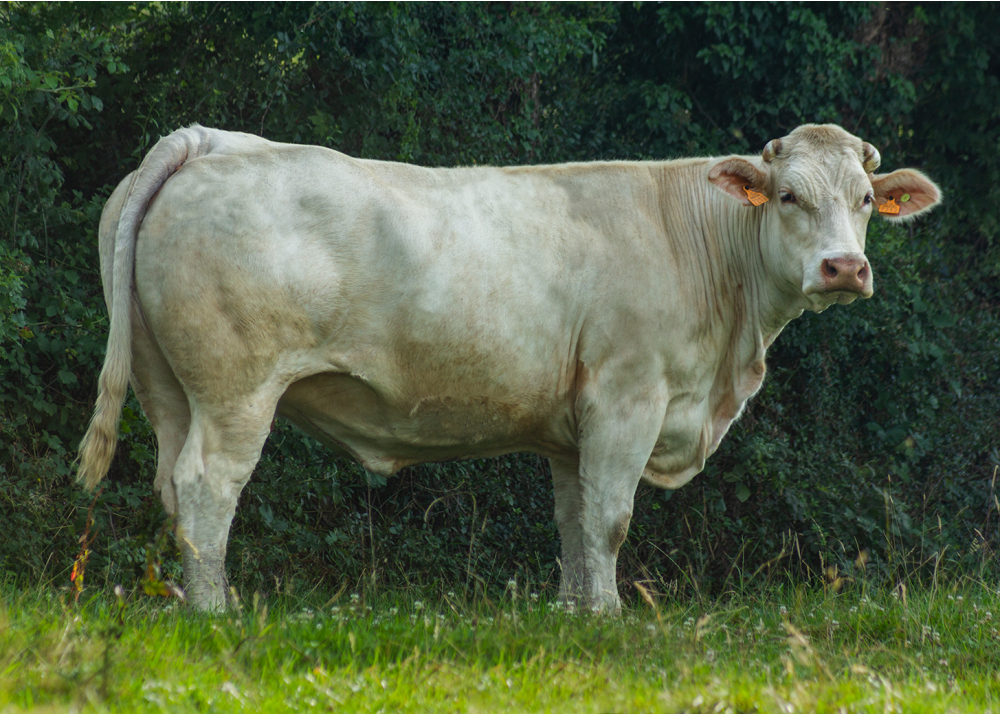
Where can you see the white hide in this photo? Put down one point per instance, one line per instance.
(611, 316)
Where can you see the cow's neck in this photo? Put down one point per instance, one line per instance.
(740, 309)
(720, 249)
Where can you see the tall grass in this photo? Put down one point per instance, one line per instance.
(790, 648)
(829, 640)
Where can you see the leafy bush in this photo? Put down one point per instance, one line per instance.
(876, 428)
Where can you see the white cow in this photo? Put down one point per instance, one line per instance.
(611, 316)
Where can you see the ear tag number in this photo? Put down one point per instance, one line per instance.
(755, 197)
(889, 207)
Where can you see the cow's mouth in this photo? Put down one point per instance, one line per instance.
(820, 299)
(844, 297)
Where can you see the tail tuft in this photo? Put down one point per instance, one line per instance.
(97, 447)
(96, 451)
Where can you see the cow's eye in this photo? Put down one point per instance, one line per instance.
(787, 197)
(868, 199)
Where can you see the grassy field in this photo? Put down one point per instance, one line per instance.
(784, 650)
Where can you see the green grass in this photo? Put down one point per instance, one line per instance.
(783, 649)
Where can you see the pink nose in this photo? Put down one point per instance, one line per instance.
(846, 273)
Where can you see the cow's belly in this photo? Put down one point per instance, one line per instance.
(386, 434)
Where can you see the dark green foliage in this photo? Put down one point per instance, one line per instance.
(876, 428)
(728, 77)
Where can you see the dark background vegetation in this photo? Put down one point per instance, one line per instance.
(876, 429)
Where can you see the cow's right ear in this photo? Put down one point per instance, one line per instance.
(741, 180)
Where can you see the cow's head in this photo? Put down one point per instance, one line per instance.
(816, 189)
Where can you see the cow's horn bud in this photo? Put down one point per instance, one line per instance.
(771, 150)
(872, 158)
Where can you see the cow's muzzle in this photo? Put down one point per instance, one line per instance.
(848, 273)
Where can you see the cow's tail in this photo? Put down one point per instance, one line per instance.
(98, 444)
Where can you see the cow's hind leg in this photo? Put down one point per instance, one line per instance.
(222, 447)
(165, 404)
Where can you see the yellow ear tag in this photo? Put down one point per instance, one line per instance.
(889, 207)
(755, 197)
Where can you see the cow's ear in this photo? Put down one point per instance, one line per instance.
(904, 194)
(741, 180)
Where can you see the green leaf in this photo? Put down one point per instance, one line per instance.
(944, 321)
(736, 474)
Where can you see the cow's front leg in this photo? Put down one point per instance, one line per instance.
(594, 498)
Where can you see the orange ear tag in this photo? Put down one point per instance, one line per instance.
(889, 207)
(755, 197)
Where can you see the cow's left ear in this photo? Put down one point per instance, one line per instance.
(741, 180)
(904, 194)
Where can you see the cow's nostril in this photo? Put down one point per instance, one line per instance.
(829, 269)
